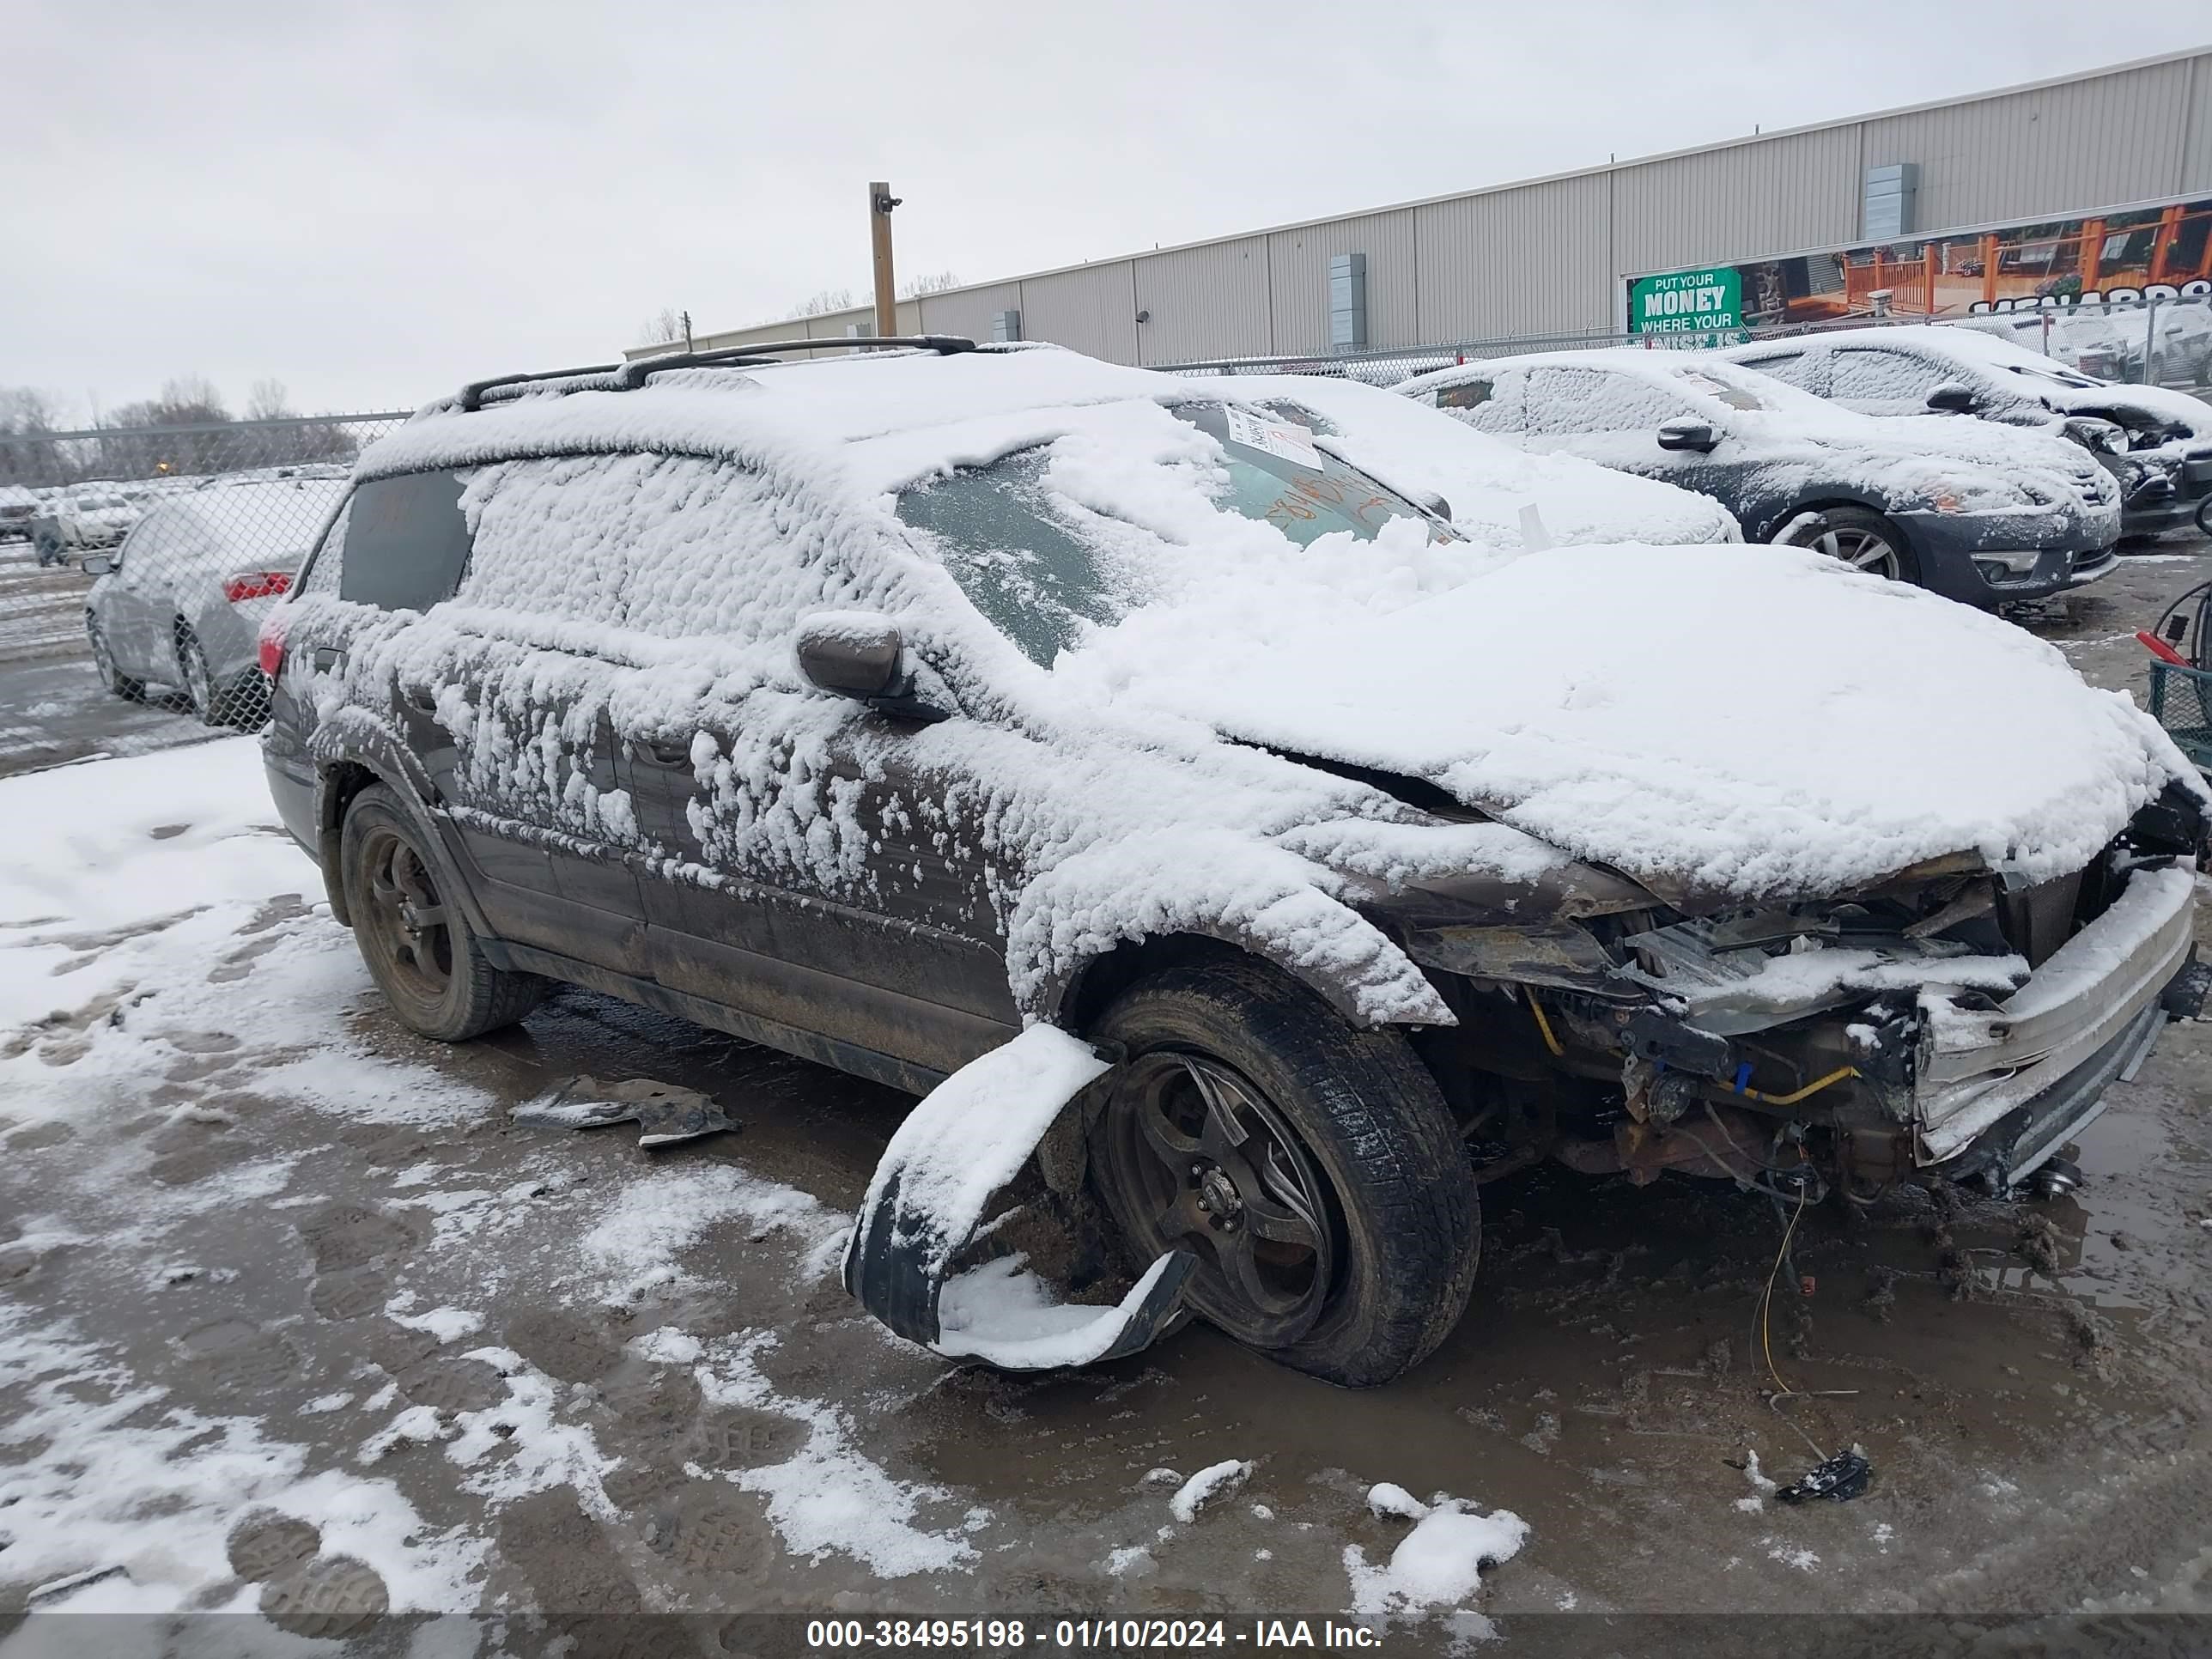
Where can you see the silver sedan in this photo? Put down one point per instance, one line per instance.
(179, 605)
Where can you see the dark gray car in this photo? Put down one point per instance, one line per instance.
(1974, 513)
(771, 696)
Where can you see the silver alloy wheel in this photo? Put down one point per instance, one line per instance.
(1860, 548)
(192, 667)
(103, 659)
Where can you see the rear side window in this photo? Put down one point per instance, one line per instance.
(405, 543)
(1466, 395)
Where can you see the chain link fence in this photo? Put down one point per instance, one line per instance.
(152, 553)
(2166, 342)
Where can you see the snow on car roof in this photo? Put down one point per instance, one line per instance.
(256, 518)
(1484, 481)
(824, 410)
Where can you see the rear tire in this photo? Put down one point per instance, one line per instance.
(1339, 1232)
(103, 664)
(417, 943)
(199, 687)
(1863, 539)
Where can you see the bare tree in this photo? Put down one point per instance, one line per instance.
(914, 287)
(26, 416)
(666, 326)
(825, 301)
(268, 401)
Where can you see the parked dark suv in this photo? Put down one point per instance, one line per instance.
(875, 709)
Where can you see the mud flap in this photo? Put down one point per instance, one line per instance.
(967, 1139)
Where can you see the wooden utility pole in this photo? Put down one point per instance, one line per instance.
(880, 204)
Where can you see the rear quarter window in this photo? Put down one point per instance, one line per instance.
(406, 542)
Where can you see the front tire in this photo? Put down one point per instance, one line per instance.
(1863, 539)
(1311, 1165)
(417, 944)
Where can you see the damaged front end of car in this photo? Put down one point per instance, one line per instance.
(1953, 1022)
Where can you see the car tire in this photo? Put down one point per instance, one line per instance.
(416, 939)
(103, 664)
(192, 675)
(1339, 1124)
(1859, 538)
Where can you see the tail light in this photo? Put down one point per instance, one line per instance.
(256, 585)
(270, 642)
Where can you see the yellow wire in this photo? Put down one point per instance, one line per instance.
(1812, 1088)
(1542, 1024)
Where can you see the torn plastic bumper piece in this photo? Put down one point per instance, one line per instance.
(954, 1151)
(889, 1268)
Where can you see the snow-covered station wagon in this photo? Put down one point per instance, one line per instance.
(1188, 810)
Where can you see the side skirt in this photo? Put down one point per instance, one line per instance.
(769, 1033)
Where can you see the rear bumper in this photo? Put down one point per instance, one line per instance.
(2002, 1089)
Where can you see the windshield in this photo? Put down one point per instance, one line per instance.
(1279, 474)
(1039, 569)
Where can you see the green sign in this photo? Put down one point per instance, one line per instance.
(1687, 302)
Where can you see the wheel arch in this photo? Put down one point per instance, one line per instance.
(1075, 997)
(340, 778)
(1827, 500)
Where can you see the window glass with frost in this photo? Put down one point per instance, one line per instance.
(1876, 375)
(1564, 401)
(326, 567)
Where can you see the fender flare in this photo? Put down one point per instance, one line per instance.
(353, 737)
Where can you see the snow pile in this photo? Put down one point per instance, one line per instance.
(1438, 1564)
(1486, 483)
(1215, 1480)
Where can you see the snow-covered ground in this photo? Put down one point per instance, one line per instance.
(293, 1318)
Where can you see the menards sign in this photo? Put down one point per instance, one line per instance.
(1687, 302)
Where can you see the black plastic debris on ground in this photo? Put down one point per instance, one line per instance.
(1843, 1477)
(665, 1115)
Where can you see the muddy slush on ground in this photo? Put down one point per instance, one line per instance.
(297, 1324)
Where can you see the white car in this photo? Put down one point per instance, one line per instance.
(81, 521)
(1484, 485)
(2156, 443)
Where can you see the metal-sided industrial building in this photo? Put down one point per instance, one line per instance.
(1559, 256)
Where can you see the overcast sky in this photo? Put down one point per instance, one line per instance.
(374, 202)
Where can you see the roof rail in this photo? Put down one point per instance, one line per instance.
(629, 376)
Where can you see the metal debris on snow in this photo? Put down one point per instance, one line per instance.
(664, 1114)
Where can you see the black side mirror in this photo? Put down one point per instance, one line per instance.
(861, 655)
(1436, 504)
(1687, 434)
(98, 564)
(1952, 399)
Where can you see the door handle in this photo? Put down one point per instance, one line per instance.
(327, 656)
(664, 754)
(419, 700)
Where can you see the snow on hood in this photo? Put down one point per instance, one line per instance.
(1486, 481)
(1756, 721)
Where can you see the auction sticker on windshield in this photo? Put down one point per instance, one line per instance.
(1292, 443)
